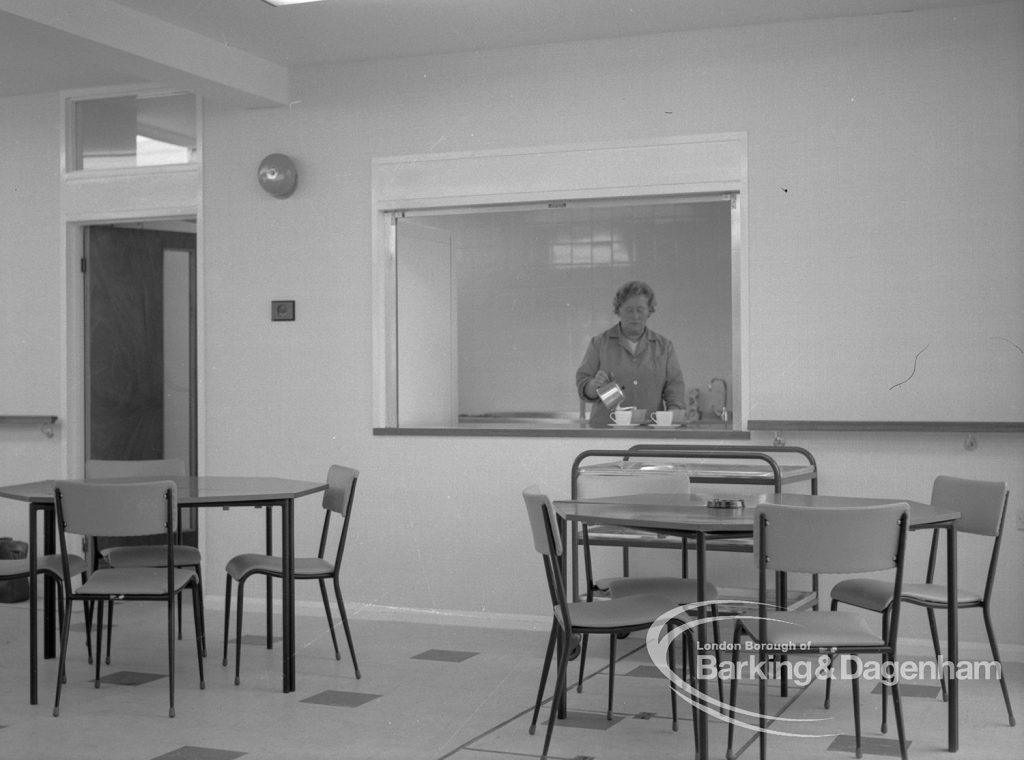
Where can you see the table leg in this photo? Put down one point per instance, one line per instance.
(574, 548)
(782, 602)
(49, 595)
(49, 585)
(702, 716)
(33, 624)
(954, 640)
(288, 592)
(269, 532)
(564, 528)
(572, 531)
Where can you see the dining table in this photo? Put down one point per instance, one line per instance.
(206, 491)
(691, 517)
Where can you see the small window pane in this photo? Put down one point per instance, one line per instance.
(132, 131)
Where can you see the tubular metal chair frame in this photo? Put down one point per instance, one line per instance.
(50, 566)
(338, 499)
(682, 589)
(987, 519)
(128, 509)
(548, 543)
(873, 539)
(147, 555)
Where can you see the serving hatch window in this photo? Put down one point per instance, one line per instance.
(493, 307)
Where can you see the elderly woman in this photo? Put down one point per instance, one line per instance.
(640, 360)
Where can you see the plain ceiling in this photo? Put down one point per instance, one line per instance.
(43, 48)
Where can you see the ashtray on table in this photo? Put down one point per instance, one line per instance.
(725, 504)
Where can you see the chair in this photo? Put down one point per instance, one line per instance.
(982, 505)
(149, 552)
(843, 541)
(613, 617)
(624, 478)
(49, 566)
(338, 499)
(123, 509)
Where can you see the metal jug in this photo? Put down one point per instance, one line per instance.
(611, 395)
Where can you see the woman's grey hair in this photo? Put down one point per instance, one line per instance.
(634, 288)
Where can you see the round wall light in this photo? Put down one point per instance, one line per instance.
(277, 175)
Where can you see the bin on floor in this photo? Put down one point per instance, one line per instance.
(16, 590)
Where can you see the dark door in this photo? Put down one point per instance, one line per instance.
(140, 339)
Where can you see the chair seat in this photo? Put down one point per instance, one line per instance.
(681, 590)
(937, 595)
(810, 629)
(133, 581)
(50, 563)
(877, 595)
(628, 612)
(242, 565)
(866, 593)
(151, 556)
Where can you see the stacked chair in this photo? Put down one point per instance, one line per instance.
(146, 551)
(123, 510)
(49, 566)
(614, 482)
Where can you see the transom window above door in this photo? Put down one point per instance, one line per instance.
(132, 131)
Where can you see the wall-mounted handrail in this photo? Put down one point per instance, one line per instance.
(45, 421)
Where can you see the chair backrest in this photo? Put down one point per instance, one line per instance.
(981, 503)
(116, 509)
(823, 540)
(125, 469)
(338, 499)
(341, 486)
(840, 540)
(546, 539)
(548, 543)
(96, 469)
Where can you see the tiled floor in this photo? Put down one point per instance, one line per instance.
(428, 692)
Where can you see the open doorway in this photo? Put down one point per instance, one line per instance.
(140, 342)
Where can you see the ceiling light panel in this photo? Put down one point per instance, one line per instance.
(289, 2)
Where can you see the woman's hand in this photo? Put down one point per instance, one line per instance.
(598, 381)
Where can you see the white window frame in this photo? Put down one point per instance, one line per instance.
(699, 164)
(69, 147)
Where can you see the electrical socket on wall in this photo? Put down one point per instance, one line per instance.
(1020, 518)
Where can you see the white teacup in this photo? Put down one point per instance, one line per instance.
(622, 416)
(663, 417)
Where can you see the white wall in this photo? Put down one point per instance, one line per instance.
(439, 522)
(31, 295)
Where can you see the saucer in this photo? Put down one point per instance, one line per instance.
(625, 424)
(726, 504)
